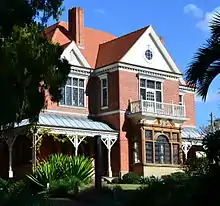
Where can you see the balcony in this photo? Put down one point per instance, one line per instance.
(153, 109)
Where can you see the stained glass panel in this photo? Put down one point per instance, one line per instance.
(81, 97)
(149, 152)
(75, 97)
(68, 96)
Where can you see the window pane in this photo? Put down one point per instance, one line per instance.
(158, 85)
(81, 97)
(75, 97)
(176, 154)
(68, 96)
(69, 81)
(62, 100)
(149, 152)
(142, 83)
(162, 151)
(175, 137)
(180, 99)
(136, 152)
(104, 83)
(104, 97)
(150, 84)
(150, 96)
(143, 94)
(75, 82)
(148, 134)
(81, 83)
(158, 96)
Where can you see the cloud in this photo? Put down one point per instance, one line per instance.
(203, 18)
(194, 10)
(100, 11)
(212, 96)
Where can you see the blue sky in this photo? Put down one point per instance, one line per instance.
(183, 24)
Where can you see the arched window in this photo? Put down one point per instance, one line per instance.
(162, 150)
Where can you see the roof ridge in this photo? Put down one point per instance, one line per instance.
(146, 27)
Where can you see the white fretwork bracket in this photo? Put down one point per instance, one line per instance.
(108, 140)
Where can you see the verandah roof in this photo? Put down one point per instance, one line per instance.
(191, 134)
(69, 121)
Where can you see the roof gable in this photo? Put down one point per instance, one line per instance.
(74, 55)
(112, 51)
(59, 33)
(161, 59)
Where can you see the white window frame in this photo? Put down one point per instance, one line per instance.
(151, 79)
(102, 77)
(77, 76)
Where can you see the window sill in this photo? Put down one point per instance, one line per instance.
(103, 108)
(162, 165)
(72, 107)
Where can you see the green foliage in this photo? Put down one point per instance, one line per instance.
(197, 166)
(23, 12)
(131, 178)
(58, 167)
(206, 63)
(149, 180)
(30, 66)
(66, 187)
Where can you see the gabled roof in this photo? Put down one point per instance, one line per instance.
(112, 51)
(58, 33)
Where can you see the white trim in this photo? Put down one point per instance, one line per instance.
(80, 132)
(164, 51)
(65, 112)
(104, 77)
(72, 47)
(186, 126)
(121, 66)
(108, 113)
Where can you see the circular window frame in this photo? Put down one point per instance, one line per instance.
(151, 50)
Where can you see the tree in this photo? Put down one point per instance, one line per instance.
(31, 67)
(206, 63)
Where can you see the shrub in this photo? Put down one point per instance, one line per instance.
(176, 176)
(59, 167)
(116, 180)
(197, 166)
(64, 187)
(131, 178)
(149, 180)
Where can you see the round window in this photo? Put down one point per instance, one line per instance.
(149, 54)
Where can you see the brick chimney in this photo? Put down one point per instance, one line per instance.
(162, 40)
(76, 25)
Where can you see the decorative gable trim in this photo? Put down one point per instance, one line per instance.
(72, 47)
(163, 50)
(120, 66)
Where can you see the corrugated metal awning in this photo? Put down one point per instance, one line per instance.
(191, 133)
(69, 121)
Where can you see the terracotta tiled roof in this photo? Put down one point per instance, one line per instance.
(113, 51)
(58, 33)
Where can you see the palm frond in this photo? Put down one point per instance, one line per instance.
(215, 25)
(205, 66)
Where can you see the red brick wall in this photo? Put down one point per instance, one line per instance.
(189, 100)
(171, 91)
(128, 89)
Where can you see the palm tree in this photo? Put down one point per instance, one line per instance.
(206, 63)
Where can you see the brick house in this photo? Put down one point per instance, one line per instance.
(126, 89)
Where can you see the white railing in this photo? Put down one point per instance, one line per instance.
(157, 108)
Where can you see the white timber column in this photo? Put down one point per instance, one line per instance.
(186, 147)
(109, 141)
(10, 140)
(76, 141)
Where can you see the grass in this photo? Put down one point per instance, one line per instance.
(125, 186)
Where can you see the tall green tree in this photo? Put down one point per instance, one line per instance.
(31, 68)
(206, 63)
